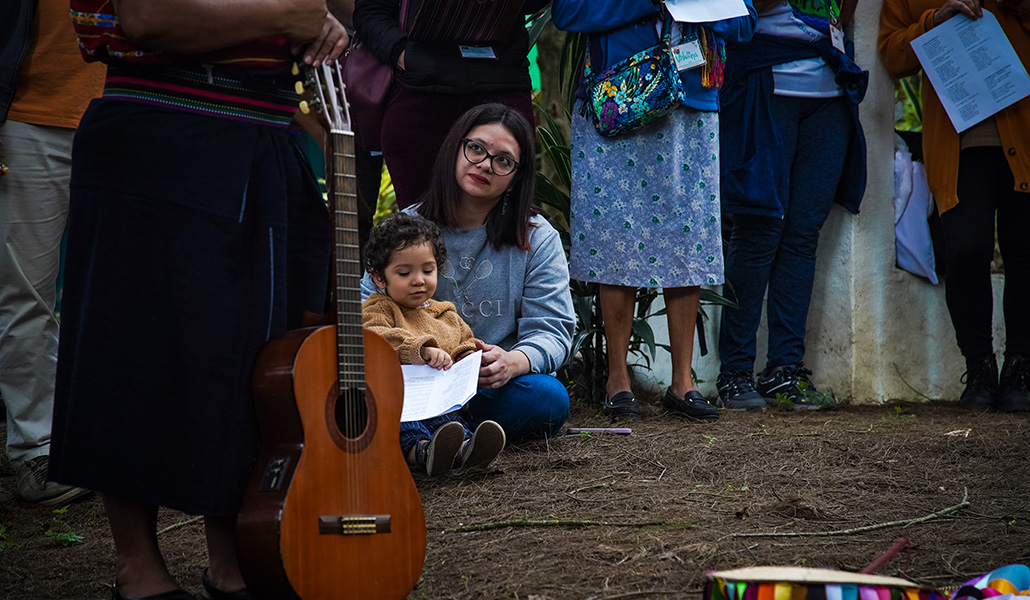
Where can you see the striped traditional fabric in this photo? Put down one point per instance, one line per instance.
(465, 21)
(101, 38)
(200, 89)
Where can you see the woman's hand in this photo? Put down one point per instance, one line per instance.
(969, 8)
(499, 366)
(330, 44)
(400, 60)
(436, 358)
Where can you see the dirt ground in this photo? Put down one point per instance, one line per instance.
(645, 515)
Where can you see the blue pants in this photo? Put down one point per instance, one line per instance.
(527, 407)
(779, 254)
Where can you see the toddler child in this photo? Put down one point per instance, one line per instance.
(402, 257)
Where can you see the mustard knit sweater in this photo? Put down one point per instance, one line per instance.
(409, 329)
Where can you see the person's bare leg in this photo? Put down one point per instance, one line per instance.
(617, 304)
(223, 570)
(681, 305)
(140, 569)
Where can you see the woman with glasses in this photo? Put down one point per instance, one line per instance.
(448, 57)
(645, 204)
(505, 272)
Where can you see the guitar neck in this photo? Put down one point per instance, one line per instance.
(347, 265)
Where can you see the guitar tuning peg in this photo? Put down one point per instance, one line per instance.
(295, 69)
(299, 87)
(304, 107)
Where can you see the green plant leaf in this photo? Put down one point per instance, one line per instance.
(710, 296)
(643, 330)
(537, 23)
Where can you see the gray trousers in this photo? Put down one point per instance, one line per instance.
(33, 213)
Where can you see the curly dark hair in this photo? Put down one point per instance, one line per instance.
(397, 233)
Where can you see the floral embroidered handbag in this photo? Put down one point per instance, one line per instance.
(635, 91)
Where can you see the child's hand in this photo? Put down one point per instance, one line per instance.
(436, 358)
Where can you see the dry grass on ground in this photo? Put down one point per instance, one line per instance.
(645, 515)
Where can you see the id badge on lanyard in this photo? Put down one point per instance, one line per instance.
(688, 54)
(836, 29)
(837, 35)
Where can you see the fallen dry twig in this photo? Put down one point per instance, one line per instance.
(904, 522)
(554, 523)
(180, 524)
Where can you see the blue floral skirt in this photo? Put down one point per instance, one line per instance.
(645, 206)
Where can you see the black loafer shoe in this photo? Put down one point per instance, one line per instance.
(216, 594)
(692, 406)
(172, 595)
(622, 406)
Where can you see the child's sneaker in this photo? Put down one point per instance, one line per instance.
(791, 384)
(437, 454)
(483, 447)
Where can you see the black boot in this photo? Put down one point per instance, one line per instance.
(1013, 394)
(981, 380)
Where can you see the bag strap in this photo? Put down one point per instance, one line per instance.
(594, 47)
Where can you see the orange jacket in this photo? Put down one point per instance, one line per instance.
(901, 21)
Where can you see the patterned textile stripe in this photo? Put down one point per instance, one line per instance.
(728, 590)
(198, 92)
(101, 38)
(469, 21)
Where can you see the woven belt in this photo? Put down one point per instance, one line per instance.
(206, 90)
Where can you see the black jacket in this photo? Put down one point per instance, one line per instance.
(440, 67)
(16, 18)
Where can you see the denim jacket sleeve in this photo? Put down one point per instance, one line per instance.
(737, 29)
(594, 16)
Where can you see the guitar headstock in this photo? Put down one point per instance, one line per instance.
(327, 96)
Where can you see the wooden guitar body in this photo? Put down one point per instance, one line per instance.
(331, 510)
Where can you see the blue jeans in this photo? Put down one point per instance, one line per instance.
(527, 407)
(779, 254)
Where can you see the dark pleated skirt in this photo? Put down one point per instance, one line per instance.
(191, 241)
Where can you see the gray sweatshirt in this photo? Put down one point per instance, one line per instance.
(511, 298)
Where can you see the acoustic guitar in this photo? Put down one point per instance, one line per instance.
(331, 510)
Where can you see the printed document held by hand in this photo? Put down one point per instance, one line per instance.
(972, 67)
(430, 392)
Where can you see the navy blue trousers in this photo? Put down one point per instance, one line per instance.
(778, 255)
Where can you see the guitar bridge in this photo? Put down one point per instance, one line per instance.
(353, 524)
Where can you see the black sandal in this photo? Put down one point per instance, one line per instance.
(172, 595)
(622, 406)
(216, 594)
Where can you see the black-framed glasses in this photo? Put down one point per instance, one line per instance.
(501, 164)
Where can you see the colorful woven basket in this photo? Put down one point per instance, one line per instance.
(798, 583)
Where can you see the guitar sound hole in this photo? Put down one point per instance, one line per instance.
(351, 413)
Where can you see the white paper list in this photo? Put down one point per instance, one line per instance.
(972, 67)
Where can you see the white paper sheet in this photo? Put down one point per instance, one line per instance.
(430, 392)
(705, 11)
(972, 67)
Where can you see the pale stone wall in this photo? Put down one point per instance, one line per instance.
(875, 332)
